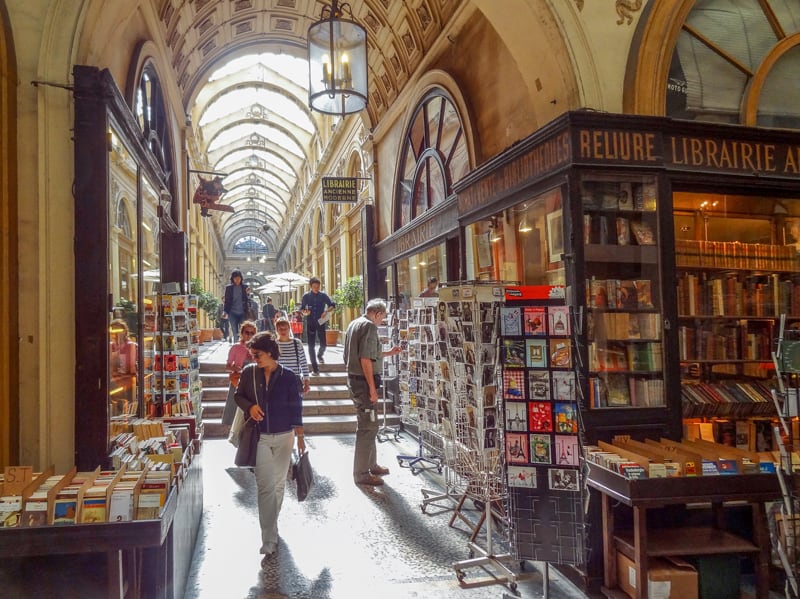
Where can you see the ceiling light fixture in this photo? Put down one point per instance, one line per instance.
(337, 62)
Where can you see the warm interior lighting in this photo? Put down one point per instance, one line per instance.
(524, 227)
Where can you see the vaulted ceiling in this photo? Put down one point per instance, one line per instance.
(252, 119)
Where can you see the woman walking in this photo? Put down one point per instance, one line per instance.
(292, 354)
(236, 302)
(269, 394)
(238, 357)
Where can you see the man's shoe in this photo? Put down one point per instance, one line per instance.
(320, 360)
(379, 470)
(315, 372)
(371, 480)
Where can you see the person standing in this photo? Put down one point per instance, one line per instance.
(269, 394)
(293, 356)
(222, 319)
(431, 289)
(268, 313)
(238, 358)
(314, 305)
(236, 303)
(363, 359)
(124, 358)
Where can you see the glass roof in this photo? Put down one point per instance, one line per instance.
(256, 128)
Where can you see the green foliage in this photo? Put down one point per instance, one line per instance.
(205, 300)
(349, 295)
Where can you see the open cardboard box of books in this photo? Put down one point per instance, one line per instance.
(667, 578)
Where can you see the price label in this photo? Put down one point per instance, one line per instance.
(16, 478)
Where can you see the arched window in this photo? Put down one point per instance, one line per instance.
(738, 62)
(151, 113)
(434, 155)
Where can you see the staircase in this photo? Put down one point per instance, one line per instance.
(327, 408)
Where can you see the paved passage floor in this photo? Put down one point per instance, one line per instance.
(344, 541)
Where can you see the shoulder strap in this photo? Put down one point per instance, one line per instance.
(296, 353)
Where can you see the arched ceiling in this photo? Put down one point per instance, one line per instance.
(242, 71)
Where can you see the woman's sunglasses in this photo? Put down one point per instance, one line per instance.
(248, 332)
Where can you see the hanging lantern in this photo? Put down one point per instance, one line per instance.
(337, 63)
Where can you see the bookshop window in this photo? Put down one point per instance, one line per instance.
(434, 155)
(123, 276)
(737, 266)
(523, 243)
(413, 272)
(723, 49)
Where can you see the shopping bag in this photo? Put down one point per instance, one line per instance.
(303, 475)
(248, 445)
(236, 427)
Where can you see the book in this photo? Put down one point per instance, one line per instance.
(566, 417)
(535, 319)
(540, 417)
(536, 352)
(623, 230)
(510, 321)
(625, 197)
(642, 232)
(540, 449)
(618, 391)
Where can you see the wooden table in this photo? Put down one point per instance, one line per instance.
(146, 559)
(644, 494)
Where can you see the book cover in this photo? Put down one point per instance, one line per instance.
(535, 320)
(643, 232)
(561, 353)
(609, 195)
(566, 452)
(563, 385)
(644, 293)
(539, 385)
(632, 470)
(540, 449)
(510, 321)
(513, 352)
(617, 390)
(536, 351)
(93, 509)
(566, 417)
(516, 416)
(628, 295)
(517, 448)
(598, 290)
(10, 511)
(513, 384)
(558, 321)
(562, 479)
(623, 230)
(540, 417)
(625, 197)
(522, 477)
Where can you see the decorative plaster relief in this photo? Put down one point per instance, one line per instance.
(424, 16)
(286, 3)
(372, 23)
(409, 42)
(204, 26)
(208, 47)
(243, 27)
(283, 24)
(625, 10)
(242, 5)
(199, 4)
(396, 64)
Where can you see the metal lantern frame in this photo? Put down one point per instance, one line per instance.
(337, 62)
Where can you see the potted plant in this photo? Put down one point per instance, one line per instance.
(210, 305)
(350, 295)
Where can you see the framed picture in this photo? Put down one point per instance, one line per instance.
(484, 251)
(555, 235)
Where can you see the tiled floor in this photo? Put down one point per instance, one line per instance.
(344, 541)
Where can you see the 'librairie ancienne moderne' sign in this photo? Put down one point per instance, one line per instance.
(339, 189)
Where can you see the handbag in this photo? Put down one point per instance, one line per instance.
(248, 445)
(247, 448)
(236, 427)
(303, 475)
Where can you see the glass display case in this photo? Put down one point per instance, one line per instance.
(624, 336)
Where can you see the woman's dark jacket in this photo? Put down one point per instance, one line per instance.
(230, 289)
(284, 405)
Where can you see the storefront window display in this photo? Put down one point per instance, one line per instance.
(523, 243)
(413, 272)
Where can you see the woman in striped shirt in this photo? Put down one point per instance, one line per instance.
(292, 355)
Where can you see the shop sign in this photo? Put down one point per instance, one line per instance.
(339, 189)
(687, 152)
(541, 160)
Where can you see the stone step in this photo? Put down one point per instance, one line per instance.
(213, 409)
(215, 393)
(331, 425)
(214, 379)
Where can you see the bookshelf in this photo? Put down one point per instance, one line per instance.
(735, 276)
(622, 270)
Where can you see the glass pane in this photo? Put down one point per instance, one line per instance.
(778, 105)
(124, 283)
(433, 110)
(788, 14)
(521, 244)
(622, 291)
(438, 186)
